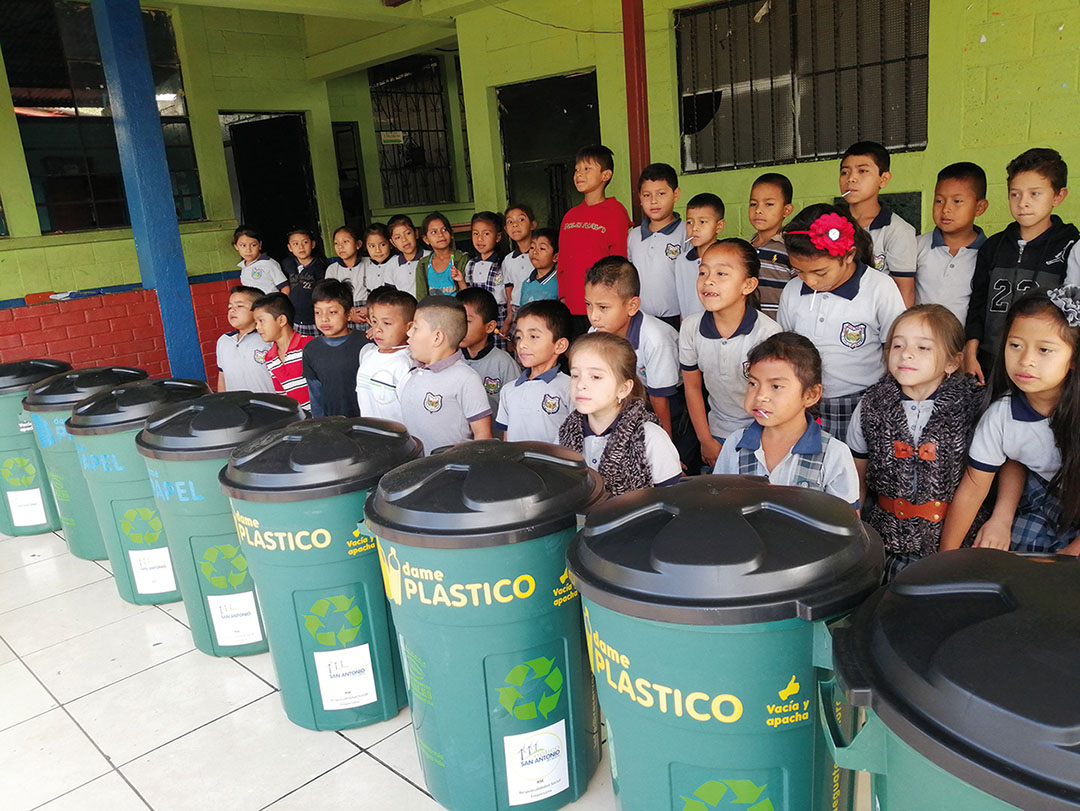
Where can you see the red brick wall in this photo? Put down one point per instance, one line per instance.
(122, 329)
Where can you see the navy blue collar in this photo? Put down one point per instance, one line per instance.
(1021, 409)
(666, 230)
(587, 430)
(633, 329)
(547, 376)
(848, 289)
(550, 275)
(707, 326)
(883, 218)
(515, 253)
(938, 241)
(483, 352)
(401, 260)
(692, 254)
(809, 442)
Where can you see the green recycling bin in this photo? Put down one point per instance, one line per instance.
(49, 405)
(26, 501)
(184, 448)
(968, 665)
(473, 541)
(705, 606)
(297, 497)
(103, 429)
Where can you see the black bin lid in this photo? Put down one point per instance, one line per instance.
(209, 427)
(22, 374)
(125, 407)
(317, 459)
(62, 391)
(483, 493)
(972, 658)
(726, 550)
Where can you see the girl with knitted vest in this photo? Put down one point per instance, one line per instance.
(910, 433)
(612, 426)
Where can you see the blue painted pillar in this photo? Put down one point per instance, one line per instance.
(146, 177)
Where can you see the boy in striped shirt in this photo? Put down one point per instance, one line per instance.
(285, 357)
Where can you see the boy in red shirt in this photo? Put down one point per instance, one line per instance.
(591, 230)
(285, 358)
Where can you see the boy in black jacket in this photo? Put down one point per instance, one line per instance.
(1030, 253)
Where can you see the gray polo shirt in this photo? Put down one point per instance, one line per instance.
(1011, 429)
(686, 276)
(264, 273)
(942, 278)
(496, 369)
(657, 346)
(535, 409)
(240, 358)
(894, 244)
(516, 268)
(439, 401)
(653, 254)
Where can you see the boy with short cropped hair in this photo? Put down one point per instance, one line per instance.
(591, 230)
(946, 255)
(304, 270)
(704, 222)
(241, 353)
(494, 366)
(274, 315)
(443, 401)
(654, 245)
(1031, 252)
(770, 205)
(864, 172)
(385, 362)
(535, 405)
(543, 281)
(332, 358)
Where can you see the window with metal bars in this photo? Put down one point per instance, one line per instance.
(763, 82)
(409, 101)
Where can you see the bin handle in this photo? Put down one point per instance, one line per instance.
(866, 750)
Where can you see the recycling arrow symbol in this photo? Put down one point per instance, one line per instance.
(235, 570)
(18, 471)
(737, 793)
(345, 614)
(541, 669)
(141, 525)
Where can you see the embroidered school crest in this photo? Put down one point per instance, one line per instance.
(550, 403)
(671, 250)
(880, 263)
(853, 335)
(492, 385)
(432, 402)
(256, 273)
(260, 356)
(746, 369)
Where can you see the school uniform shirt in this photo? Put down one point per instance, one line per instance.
(536, 289)
(839, 475)
(894, 244)
(722, 363)
(687, 264)
(330, 366)
(376, 274)
(587, 234)
(917, 413)
(1011, 429)
(496, 369)
(516, 268)
(775, 273)
(653, 253)
(242, 359)
(657, 346)
(440, 400)
(356, 276)
(402, 272)
(302, 281)
(378, 380)
(534, 409)
(940, 277)
(848, 326)
(660, 453)
(288, 372)
(264, 273)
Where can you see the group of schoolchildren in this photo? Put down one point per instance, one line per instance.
(927, 380)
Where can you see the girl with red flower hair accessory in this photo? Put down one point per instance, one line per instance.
(837, 304)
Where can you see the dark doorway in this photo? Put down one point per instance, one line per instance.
(350, 173)
(543, 124)
(272, 169)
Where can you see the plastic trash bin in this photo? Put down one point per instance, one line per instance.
(473, 541)
(49, 405)
(968, 665)
(704, 603)
(103, 428)
(297, 498)
(27, 506)
(184, 448)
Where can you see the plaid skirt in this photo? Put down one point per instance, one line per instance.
(1036, 526)
(895, 562)
(836, 413)
(306, 329)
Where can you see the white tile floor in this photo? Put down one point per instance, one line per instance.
(103, 705)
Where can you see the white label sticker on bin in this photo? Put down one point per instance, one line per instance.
(152, 570)
(536, 764)
(27, 507)
(235, 618)
(346, 679)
